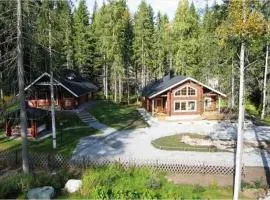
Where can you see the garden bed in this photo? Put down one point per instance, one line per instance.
(174, 143)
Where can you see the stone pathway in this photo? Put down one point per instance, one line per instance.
(136, 143)
(147, 117)
(91, 121)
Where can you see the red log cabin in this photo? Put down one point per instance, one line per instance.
(36, 119)
(179, 95)
(70, 90)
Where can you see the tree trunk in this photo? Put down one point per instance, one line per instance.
(143, 67)
(265, 82)
(104, 80)
(2, 84)
(115, 86)
(241, 117)
(128, 100)
(51, 85)
(1, 90)
(23, 116)
(119, 88)
(233, 86)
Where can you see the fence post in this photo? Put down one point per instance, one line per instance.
(204, 168)
(48, 161)
(84, 162)
(16, 157)
(119, 163)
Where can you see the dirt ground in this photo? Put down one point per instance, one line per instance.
(251, 174)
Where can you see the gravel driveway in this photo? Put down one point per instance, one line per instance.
(136, 144)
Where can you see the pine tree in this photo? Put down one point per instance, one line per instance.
(185, 34)
(81, 36)
(143, 42)
(161, 48)
(64, 22)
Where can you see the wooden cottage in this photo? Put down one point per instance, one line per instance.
(37, 122)
(70, 90)
(179, 95)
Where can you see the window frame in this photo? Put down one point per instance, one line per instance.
(187, 95)
(186, 102)
(210, 102)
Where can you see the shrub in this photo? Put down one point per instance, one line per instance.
(153, 183)
(18, 184)
(198, 189)
(14, 184)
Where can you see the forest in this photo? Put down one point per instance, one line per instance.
(122, 52)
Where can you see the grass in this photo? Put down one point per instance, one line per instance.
(121, 117)
(115, 182)
(69, 131)
(174, 143)
(254, 111)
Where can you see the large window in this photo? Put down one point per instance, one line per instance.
(186, 91)
(184, 106)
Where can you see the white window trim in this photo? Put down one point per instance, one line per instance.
(185, 86)
(186, 101)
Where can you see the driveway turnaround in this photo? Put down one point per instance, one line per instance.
(135, 145)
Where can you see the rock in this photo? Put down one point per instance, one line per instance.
(254, 193)
(73, 185)
(220, 144)
(46, 192)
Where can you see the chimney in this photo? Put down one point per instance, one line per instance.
(171, 73)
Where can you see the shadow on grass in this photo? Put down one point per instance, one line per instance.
(121, 117)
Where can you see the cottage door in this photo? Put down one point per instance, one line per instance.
(159, 105)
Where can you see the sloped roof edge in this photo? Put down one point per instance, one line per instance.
(184, 80)
(46, 74)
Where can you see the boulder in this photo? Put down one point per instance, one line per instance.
(46, 192)
(73, 185)
(254, 193)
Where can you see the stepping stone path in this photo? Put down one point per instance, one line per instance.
(91, 121)
(86, 117)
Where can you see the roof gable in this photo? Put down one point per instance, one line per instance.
(165, 84)
(77, 86)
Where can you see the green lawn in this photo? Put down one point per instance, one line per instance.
(253, 111)
(121, 117)
(115, 182)
(69, 130)
(174, 143)
(112, 182)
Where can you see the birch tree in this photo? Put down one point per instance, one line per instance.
(266, 11)
(20, 71)
(243, 23)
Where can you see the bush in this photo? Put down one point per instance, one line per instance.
(116, 182)
(18, 184)
(15, 184)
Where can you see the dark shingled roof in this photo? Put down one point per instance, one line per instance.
(70, 80)
(161, 84)
(32, 114)
(76, 83)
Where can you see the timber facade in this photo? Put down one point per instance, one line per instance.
(180, 96)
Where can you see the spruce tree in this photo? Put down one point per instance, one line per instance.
(143, 42)
(81, 36)
(185, 34)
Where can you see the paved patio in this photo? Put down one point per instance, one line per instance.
(136, 144)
